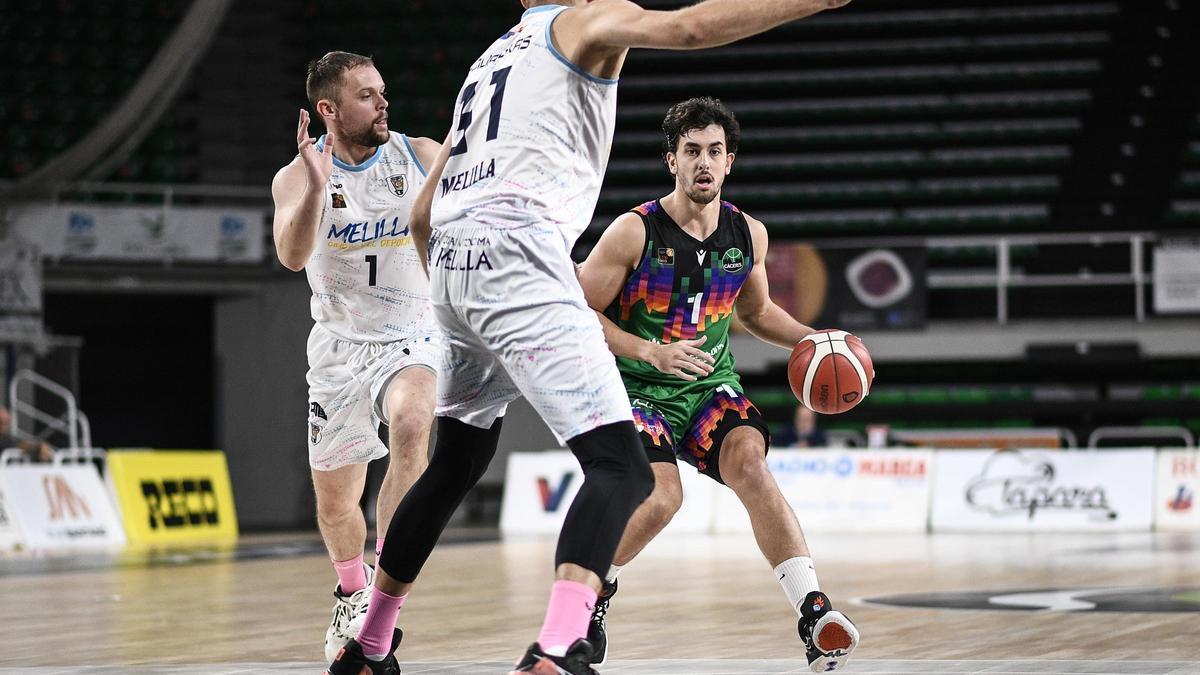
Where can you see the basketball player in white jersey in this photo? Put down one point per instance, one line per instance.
(517, 181)
(342, 215)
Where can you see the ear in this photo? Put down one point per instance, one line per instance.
(672, 163)
(729, 157)
(327, 109)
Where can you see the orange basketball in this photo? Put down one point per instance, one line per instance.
(830, 371)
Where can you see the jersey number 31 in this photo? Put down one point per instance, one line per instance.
(499, 79)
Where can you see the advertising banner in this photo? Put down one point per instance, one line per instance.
(173, 495)
(539, 488)
(143, 233)
(60, 506)
(1178, 482)
(1032, 491)
(1177, 275)
(834, 490)
(851, 288)
(10, 536)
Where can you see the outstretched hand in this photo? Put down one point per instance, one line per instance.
(318, 164)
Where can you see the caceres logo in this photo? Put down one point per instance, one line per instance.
(733, 260)
(64, 503)
(1013, 483)
(398, 184)
(180, 503)
(552, 499)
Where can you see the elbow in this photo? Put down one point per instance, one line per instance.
(691, 33)
(290, 261)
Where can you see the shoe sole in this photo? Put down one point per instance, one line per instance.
(833, 636)
(542, 667)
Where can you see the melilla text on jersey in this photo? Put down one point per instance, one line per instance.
(461, 181)
(382, 233)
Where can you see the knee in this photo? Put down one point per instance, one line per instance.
(335, 508)
(744, 465)
(664, 502)
(410, 432)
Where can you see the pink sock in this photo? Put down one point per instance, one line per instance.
(378, 550)
(351, 575)
(567, 617)
(376, 634)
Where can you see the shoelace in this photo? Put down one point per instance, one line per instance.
(599, 612)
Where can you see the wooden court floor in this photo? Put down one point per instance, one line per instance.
(1049, 603)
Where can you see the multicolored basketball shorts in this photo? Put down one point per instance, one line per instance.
(692, 426)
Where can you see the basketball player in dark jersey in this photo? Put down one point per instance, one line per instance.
(669, 275)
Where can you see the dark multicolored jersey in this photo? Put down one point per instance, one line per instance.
(684, 289)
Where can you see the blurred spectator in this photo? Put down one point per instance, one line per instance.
(802, 433)
(37, 451)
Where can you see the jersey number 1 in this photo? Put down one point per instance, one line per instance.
(371, 263)
(499, 79)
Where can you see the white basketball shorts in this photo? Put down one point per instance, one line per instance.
(516, 323)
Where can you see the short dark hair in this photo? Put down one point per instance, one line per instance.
(698, 113)
(325, 74)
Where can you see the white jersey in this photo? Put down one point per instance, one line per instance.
(532, 138)
(366, 279)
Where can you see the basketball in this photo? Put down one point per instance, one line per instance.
(830, 371)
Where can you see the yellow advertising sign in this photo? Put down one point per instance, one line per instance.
(171, 496)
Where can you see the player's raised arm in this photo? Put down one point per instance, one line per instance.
(601, 276)
(594, 35)
(422, 209)
(760, 315)
(299, 197)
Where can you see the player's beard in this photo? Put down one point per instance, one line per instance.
(369, 136)
(700, 196)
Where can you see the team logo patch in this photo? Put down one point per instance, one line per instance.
(398, 184)
(733, 260)
(316, 422)
(339, 200)
(666, 257)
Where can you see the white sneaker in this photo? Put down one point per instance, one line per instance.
(349, 614)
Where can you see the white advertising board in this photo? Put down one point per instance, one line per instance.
(1175, 497)
(1033, 490)
(61, 506)
(844, 491)
(91, 232)
(540, 486)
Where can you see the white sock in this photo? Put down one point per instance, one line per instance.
(798, 578)
(613, 571)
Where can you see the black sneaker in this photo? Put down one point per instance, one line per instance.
(351, 661)
(597, 633)
(576, 662)
(829, 637)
